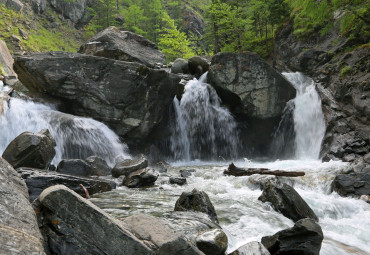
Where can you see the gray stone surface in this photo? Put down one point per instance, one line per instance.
(77, 167)
(141, 178)
(31, 150)
(130, 98)
(73, 10)
(128, 166)
(177, 180)
(162, 238)
(252, 248)
(197, 201)
(15, 5)
(213, 242)
(38, 180)
(123, 45)
(180, 65)
(73, 225)
(19, 233)
(305, 237)
(352, 184)
(198, 65)
(286, 200)
(99, 166)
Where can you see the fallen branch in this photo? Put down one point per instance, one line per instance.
(87, 195)
(237, 171)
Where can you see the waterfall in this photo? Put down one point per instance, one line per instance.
(76, 137)
(309, 122)
(203, 129)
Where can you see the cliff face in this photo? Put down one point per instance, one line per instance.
(341, 68)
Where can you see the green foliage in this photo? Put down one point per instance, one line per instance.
(345, 71)
(134, 19)
(172, 42)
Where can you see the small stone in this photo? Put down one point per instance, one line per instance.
(15, 38)
(212, 242)
(187, 172)
(177, 180)
(23, 33)
(141, 178)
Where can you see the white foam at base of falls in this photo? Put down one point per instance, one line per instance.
(344, 221)
(309, 122)
(76, 137)
(202, 128)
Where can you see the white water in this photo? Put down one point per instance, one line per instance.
(203, 128)
(75, 137)
(345, 221)
(309, 122)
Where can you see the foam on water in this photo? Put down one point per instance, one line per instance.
(76, 137)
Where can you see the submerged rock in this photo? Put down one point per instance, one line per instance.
(141, 178)
(196, 201)
(31, 150)
(38, 180)
(123, 45)
(73, 225)
(286, 200)
(19, 233)
(252, 248)
(128, 166)
(213, 242)
(130, 98)
(305, 237)
(177, 180)
(352, 184)
(162, 238)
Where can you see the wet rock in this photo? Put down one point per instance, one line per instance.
(98, 165)
(180, 65)
(160, 167)
(123, 45)
(187, 172)
(77, 167)
(19, 232)
(177, 180)
(31, 150)
(352, 184)
(263, 91)
(141, 178)
(252, 248)
(198, 65)
(128, 166)
(196, 201)
(213, 242)
(163, 239)
(285, 199)
(14, 5)
(117, 93)
(305, 237)
(38, 180)
(73, 225)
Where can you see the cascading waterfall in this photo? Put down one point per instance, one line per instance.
(76, 137)
(203, 129)
(304, 113)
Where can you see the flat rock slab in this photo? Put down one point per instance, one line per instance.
(129, 166)
(19, 232)
(74, 225)
(38, 180)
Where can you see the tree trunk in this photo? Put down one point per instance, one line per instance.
(236, 171)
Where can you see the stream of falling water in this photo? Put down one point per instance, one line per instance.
(76, 137)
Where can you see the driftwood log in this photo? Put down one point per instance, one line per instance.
(237, 171)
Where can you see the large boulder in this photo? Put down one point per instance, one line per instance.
(285, 199)
(73, 225)
(123, 45)
(141, 178)
(31, 150)
(305, 238)
(130, 98)
(213, 242)
(129, 166)
(6, 61)
(180, 65)
(164, 239)
(196, 201)
(19, 232)
(38, 180)
(352, 184)
(262, 90)
(198, 65)
(99, 166)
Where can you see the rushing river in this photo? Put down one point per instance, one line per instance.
(345, 221)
